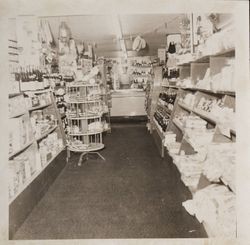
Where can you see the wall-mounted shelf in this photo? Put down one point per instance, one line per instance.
(17, 114)
(84, 117)
(39, 107)
(47, 133)
(33, 177)
(205, 58)
(21, 149)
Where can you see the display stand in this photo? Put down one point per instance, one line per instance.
(84, 115)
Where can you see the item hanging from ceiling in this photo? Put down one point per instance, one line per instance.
(45, 34)
(171, 48)
(139, 43)
(64, 33)
(214, 18)
(81, 49)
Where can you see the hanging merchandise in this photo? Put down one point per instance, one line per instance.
(45, 34)
(139, 43)
(185, 32)
(203, 28)
(72, 48)
(171, 48)
(81, 49)
(28, 43)
(64, 33)
(63, 47)
(67, 51)
(214, 18)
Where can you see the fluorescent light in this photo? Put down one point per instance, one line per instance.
(118, 32)
(123, 46)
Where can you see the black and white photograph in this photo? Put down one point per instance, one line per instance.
(125, 121)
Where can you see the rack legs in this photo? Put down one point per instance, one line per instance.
(68, 155)
(86, 154)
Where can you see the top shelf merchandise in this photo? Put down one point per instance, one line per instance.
(217, 44)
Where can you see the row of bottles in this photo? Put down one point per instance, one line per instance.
(29, 73)
(161, 120)
(170, 73)
(168, 97)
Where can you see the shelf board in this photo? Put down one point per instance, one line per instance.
(209, 91)
(39, 91)
(93, 147)
(39, 107)
(33, 177)
(205, 58)
(178, 124)
(46, 133)
(158, 129)
(231, 186)
(144, 66)
(213, 91)
(87, 133)
(21, 149)
(184, 106)
(170, 86)
(83, 102)
(84, 117)
(81, 85)
(11, 95)
(205, 115)
(216, 91)
(17, 114)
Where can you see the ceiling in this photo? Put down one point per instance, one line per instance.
(105, 30)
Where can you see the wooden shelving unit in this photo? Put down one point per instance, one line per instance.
(51, 109)
(193, 102)
(39, 107)
(30, 150)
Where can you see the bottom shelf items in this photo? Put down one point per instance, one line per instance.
(22, 173)
(29, 164)
(215, 207)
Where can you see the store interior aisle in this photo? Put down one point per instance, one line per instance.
(133, 194)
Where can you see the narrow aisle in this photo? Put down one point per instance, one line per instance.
(133, 194)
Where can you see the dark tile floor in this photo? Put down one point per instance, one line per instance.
(133, 194)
